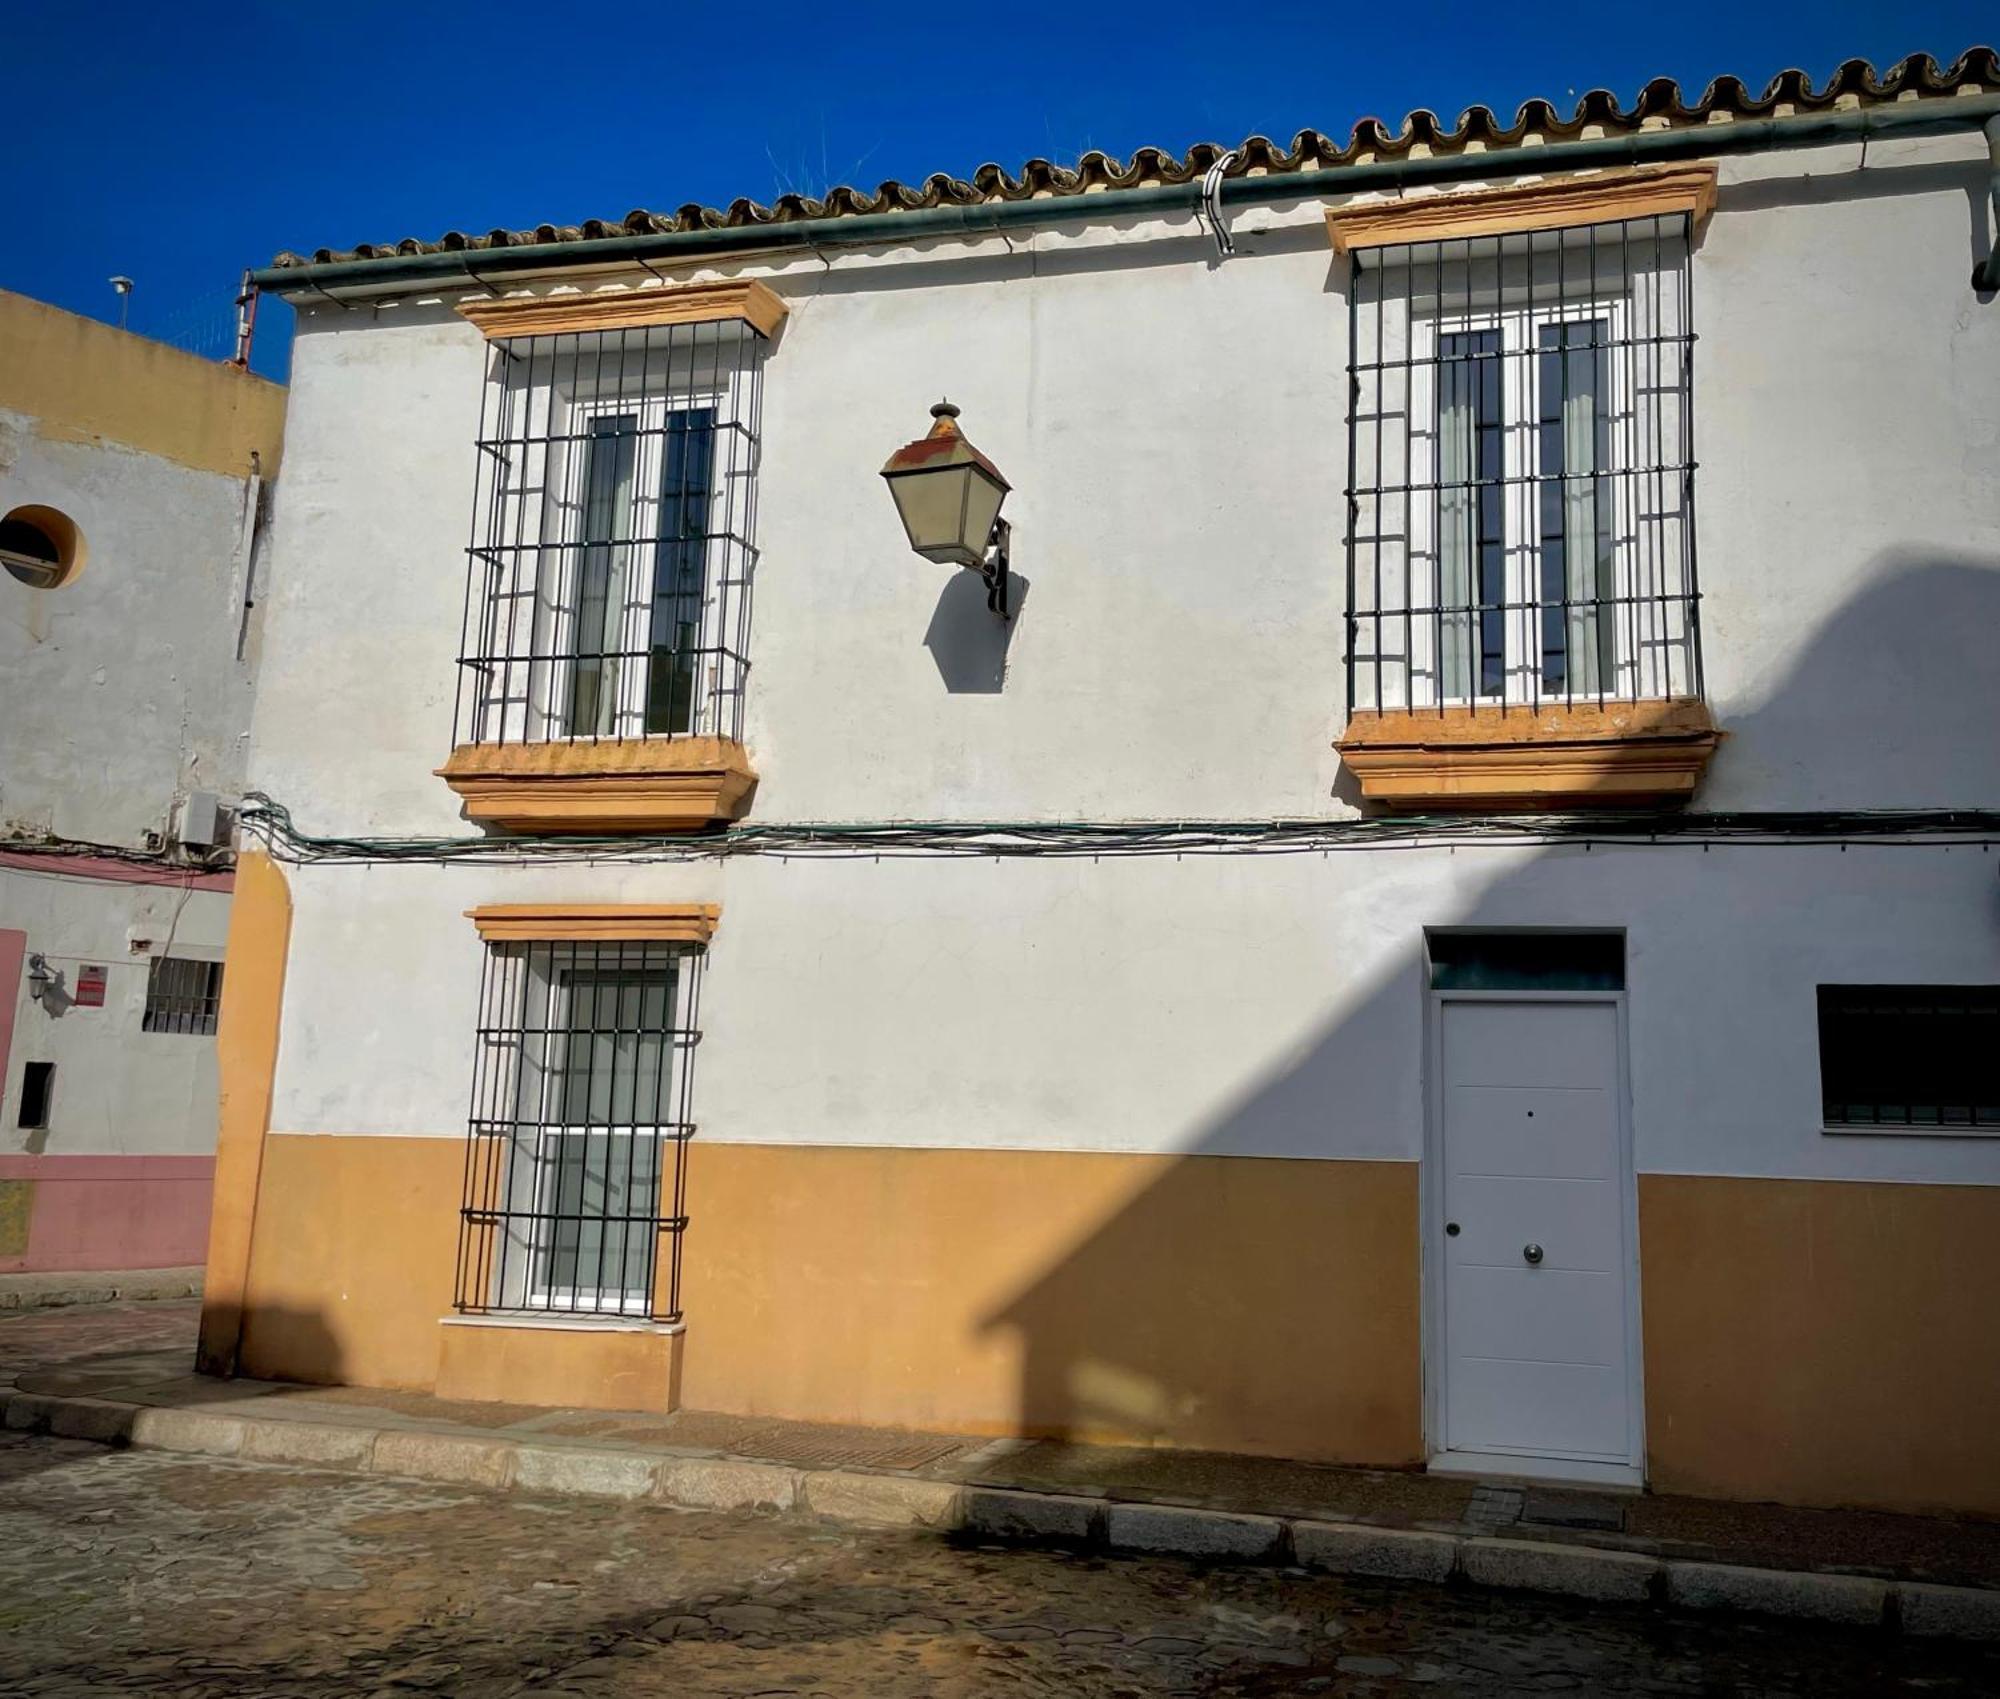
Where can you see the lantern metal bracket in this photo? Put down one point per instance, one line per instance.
(994, 570)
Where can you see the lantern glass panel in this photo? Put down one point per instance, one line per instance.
(932, 506)
(982, 508)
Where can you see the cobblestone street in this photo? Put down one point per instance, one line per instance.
(126, 1571)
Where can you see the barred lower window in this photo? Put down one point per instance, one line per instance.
(182, 996)
(612, 551)
(574, 1177)
(1521, 469)
(1910, 1058)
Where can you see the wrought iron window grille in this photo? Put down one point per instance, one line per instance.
(182, 996)
(608, 587)
(575, 1192)
(1910, 1058)
(1520, 488)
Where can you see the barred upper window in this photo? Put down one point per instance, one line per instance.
(613, 546)
(1521, 473)
(581, 1111)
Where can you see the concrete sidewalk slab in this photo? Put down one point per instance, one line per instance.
(1934, 1577)
(518, 1462)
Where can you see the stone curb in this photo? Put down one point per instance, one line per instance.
(687, 1482)
(21, 1292)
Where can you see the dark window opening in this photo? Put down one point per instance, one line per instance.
(38, 1088)
(1527, 961)
(182, 996)
(1911, 1057)
(29, 553)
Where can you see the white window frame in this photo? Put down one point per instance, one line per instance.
(1520, 331)
(523, 1281)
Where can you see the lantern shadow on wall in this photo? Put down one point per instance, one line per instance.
(966, 642)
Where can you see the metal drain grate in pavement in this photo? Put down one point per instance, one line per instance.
(1573, 1510)
(1494, 1507)
(788, 1444)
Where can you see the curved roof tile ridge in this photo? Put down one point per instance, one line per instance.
(1659, 99)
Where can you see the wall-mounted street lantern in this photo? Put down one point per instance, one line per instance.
(948, 496)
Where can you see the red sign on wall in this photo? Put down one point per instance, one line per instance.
(89, 987)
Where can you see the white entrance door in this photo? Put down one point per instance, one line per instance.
(1537, 1308)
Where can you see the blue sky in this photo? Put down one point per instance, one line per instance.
(178, 143)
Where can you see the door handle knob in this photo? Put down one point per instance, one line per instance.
(1532, 1252)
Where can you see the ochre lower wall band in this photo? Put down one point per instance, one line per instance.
(1228, 1302)
(357, 1240)
(1822, 1342)
(1806, 1342)
(1265, 1306)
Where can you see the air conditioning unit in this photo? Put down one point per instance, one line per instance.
(206, 821)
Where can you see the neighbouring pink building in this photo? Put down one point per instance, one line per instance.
(131, 481)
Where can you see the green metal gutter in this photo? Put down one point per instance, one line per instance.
(1695, 141)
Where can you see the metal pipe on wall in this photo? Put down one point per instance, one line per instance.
(1986, 275)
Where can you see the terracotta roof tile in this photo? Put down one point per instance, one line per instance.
(1856, 82)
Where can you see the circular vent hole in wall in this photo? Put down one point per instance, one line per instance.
(41, 547)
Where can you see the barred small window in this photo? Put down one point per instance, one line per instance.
(1521, 472)
(608, 594)
(1910, 1058)
(182, 996)
(575, 1192)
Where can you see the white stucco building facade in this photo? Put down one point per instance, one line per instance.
(1090, 1038)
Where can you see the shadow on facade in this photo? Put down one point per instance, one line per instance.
(1274, 1306)
(969, 641)
(234, 1340)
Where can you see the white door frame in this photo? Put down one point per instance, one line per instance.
(1632, 1471)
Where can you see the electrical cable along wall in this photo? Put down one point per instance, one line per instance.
(271, 823)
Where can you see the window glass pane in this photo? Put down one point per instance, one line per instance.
(601, 1192)
(680, 576)
(1472, 545)
(1577, 522)
(1527, 961)
(1912, 1057)
(609, 455)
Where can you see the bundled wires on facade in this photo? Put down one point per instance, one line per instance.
(271, 823)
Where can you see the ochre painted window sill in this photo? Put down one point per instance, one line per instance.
(1618, 755)
(517, 1361)
(653, 784)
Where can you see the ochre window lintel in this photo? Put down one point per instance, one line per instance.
(744, 299)
(584, 923)
(1551, 203)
